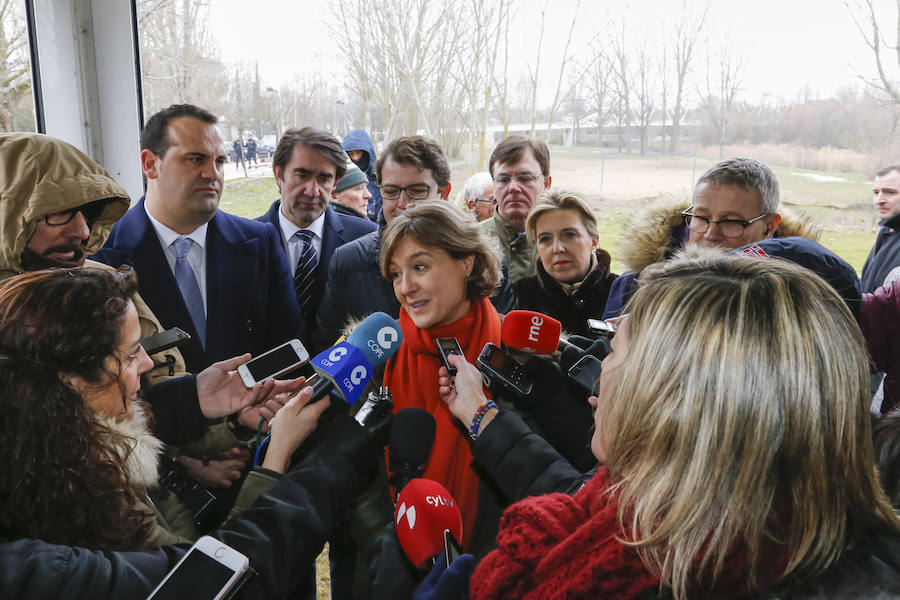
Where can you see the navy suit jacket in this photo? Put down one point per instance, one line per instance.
(250, 298)
(337, 231)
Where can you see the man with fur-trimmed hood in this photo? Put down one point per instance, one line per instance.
(735, 202)
(57, 206)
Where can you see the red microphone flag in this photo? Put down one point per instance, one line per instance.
(530, 331)
(423, 511)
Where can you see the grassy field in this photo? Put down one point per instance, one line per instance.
(620, 185)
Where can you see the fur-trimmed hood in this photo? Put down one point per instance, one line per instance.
(656, 232)
(133, 439)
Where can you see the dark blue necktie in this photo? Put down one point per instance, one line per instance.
(190, 289)
(304, 275)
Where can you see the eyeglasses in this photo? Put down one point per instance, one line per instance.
(90, 211)
(730, 228)
(490, 200)
(522, 179)
(416, 191)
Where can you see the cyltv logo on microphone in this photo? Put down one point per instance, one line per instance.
(424, 510)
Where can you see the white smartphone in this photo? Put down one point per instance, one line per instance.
(210, 570)
(273, 363)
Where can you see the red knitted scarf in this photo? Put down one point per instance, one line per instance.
(560, 546)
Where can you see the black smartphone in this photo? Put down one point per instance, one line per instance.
(451, 547)
(500, 366)
(586, 371)
(165, 340)
(446, 347)
(604, 328)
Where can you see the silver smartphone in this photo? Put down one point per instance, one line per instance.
(211, 570)
(275, 362)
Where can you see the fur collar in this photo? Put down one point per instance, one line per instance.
(651, 234)
(134, 441)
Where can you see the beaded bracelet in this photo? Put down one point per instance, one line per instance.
(479, 415)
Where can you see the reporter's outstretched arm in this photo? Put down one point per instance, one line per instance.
(285, 528)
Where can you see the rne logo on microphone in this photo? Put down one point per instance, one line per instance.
(534, 331)
(410, 514)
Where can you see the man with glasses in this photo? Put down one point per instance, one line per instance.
(735, 203)
(58, 207)
(479, 195)
(520, 167)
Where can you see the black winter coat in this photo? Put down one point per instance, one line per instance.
(544, 294)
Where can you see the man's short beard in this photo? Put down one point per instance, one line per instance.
(32, 261)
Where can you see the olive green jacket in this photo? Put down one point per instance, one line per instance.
(517, 250)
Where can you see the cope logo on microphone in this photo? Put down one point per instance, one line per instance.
(409, 513)
(384, 339)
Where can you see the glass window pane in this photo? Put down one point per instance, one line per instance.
(16, 100)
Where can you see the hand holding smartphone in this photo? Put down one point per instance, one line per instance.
(446, 347)
(501, 367)
(273, 363)
(210, 570)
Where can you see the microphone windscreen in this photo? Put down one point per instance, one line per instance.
(424, 510)
(378, 336)
(412, 436)
(530, 331)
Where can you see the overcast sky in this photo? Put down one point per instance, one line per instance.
(787, 45)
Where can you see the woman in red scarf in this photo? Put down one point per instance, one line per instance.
(732, 422)
(443, 270)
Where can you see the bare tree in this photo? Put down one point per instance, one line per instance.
(722, 85)
(409, 46)
(662, 71)
(644, 91)
(867, 22)
(179, 58)
(687, 33)
(597, 81)
(15, 80)
(559, 96)
(621, 86)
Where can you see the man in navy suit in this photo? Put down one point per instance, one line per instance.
(307, 164)
(223, 279)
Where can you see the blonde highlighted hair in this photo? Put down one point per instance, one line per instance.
(750, 435)
(438, 224)
(553, 200)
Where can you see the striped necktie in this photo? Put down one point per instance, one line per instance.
(190, 289)
(305, 273)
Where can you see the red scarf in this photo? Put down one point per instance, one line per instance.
(560, 546)
(412, 376)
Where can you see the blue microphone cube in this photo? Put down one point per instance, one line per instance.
(347, 367)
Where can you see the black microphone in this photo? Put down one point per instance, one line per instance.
(412, 436)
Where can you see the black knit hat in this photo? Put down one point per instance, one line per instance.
(352, 177)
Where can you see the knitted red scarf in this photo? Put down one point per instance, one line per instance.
(412, 376)
(559, 546)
